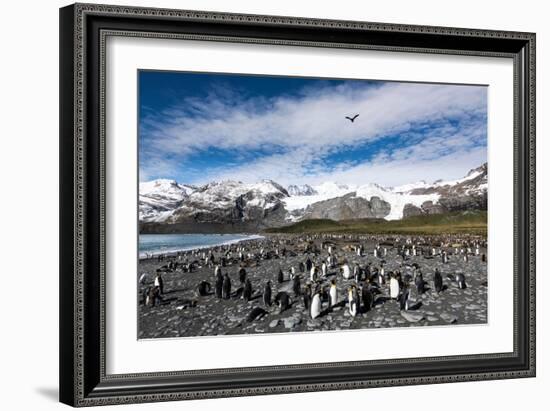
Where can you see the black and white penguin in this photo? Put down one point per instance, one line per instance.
(346, 272)
(267, 294)
(226, 290)
(283, 300)
(333, 294)
(309, 264)
(394, 287)
(357, 274)
(247, 292)
(438, 281)
(256, 313)
(367, 297)
(302, 267)
(483, 258)
(280, 276)
(296, 287)
(352, 301)
(219, 285)
(204, 288)
(368, 272)
(306, 295)
(315, 310)
(159, 283)
(404, 299)
(461, 281)
(313, 274)
(419, 282)
(242, 275)
(381, 278)
(153, 297)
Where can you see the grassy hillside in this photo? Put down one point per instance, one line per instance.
(472, 222)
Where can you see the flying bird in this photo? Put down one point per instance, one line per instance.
(352, 119)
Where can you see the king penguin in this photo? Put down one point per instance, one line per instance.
(242, 275)
(346, 272)
(283, 300)
(352, 301)
(419, 282)
(404, 299)
(438, 281)
(394, 287)
(267, 294)
(247, 292)
(280, 276)
(313, 276)
(204, 288)
(226, 290)
(309, 264)
(380, 277)
(333, 294)
(461, 281)
(307, 296)
(367, 297)
(296, 287)
(315, 305)
(219, 285)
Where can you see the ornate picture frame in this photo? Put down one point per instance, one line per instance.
(84, 29)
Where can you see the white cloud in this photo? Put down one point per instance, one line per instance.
(305, 129)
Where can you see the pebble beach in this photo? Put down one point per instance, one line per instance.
(182, 310)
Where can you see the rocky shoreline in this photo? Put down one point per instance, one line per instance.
(186, 309)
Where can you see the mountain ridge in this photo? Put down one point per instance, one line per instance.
(233, 206)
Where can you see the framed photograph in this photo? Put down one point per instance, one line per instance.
(261, 204)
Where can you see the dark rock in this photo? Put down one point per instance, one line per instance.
(348, 206)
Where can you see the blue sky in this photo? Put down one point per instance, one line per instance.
(196, 128)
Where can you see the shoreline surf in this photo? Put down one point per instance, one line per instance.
(171, 251)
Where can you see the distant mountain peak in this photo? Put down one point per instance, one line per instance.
(481, 169)
(267, 204)
(301, 190)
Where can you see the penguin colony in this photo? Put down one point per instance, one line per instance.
(314, 282)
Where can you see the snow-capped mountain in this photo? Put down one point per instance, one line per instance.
(221, 206)
(474, 182)
(316, 206)
(303, 190)
(236, 206)
(160, 197)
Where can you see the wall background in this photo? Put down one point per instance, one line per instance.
(29, 204)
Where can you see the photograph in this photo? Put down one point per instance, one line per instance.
(276, 204)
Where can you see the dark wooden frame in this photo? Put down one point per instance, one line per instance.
(83, 29)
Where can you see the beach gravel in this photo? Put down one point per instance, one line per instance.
(182, 312)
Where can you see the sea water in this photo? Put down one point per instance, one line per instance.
(169, 243)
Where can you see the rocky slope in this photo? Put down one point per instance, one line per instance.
(468, 193)
(232, 206)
